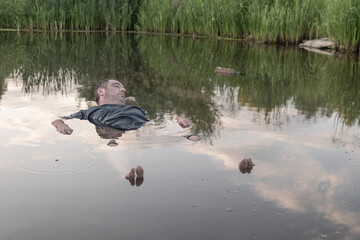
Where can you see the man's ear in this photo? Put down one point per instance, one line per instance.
(100, 91)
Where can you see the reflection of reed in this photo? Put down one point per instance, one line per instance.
(317, 85)
(3, 86)
(344, 84)
(176, 75)
(63, 82)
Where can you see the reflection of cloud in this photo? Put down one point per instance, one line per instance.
(303, 185)
(293, 169)
(287, 171)
(295, 183)
(26, 118)
(119, 163)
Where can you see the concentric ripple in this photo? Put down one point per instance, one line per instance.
(56, 162)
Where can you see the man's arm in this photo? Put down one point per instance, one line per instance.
(62, 127)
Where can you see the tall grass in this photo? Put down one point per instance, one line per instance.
(343, 21)
(68, 14)
(272, 20)
(12, 14)
(285, 20)
(155, 16)
(280, 21)
(212, 17)
(200, 17)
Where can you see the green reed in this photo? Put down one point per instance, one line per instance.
(12, 14)
(271, 20)
(280, 21)
(285, 20)
(343, 20)
(212, 17)
(155, 16)
(68, 14)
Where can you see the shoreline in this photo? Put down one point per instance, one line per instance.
(332, 52)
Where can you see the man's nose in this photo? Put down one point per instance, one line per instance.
(123, 90)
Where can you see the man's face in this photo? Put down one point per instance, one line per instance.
(115, 92)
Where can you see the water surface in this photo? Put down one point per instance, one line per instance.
(295, 113)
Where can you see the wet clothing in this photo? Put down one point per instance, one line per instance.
(113, 116)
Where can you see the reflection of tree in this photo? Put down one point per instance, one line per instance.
(315, 85)
(5, 65)
(179, 86)
(55, 62)
(176, 75)
(159, 82)
(38, 60)
(2, 84)
(345, 98)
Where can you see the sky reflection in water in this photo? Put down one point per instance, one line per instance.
(304, 141)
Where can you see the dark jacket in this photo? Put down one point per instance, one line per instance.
(113, 116)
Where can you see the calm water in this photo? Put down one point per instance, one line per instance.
(296, 114)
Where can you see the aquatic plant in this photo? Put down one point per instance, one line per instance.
(155, 16)
(343, 23)
(285, 20)
(199, 17)
(68, 14)
(279, 21)
(12, 14)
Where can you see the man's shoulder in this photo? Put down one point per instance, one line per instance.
(118, 108)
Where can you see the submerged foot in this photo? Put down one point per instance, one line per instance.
(139, 181)
(246, 165)
(131, 176)
(139, 171)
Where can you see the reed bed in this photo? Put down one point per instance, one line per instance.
(279, 21)
(270, 20)
(68, 14)
(212, 17)
(285, 20)
(343, 21)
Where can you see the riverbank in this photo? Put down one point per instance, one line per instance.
(271, 21)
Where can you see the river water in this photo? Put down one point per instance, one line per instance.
(294, 113)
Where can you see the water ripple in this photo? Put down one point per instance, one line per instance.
(57, 162)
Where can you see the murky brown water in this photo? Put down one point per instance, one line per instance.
(296, 114)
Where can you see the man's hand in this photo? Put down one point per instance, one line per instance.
(184, 122)
(62, 127)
